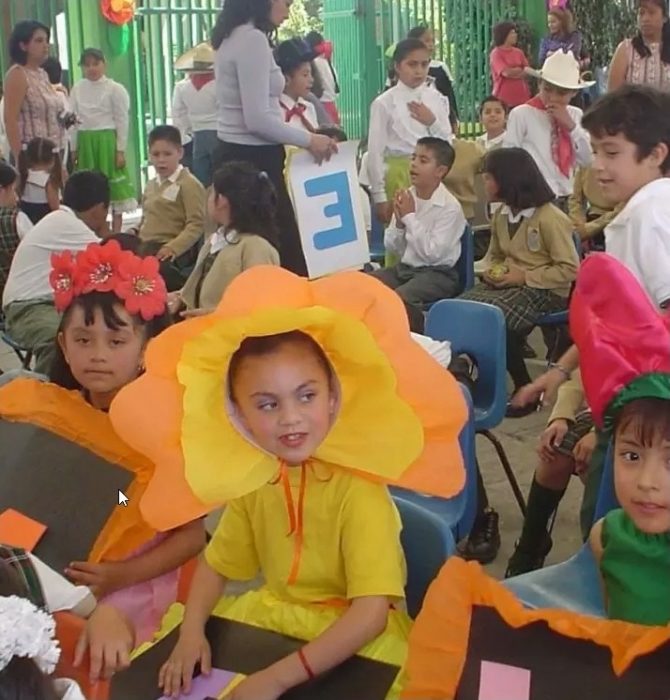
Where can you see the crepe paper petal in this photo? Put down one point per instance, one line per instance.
(400, 412)
(620, 334)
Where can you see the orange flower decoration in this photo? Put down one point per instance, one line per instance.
(118, 11)
(400, 412)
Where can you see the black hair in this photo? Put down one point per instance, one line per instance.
(22, 33)
(649, 418)
(258, 346)
(292, 54)
(418, 31)
(96, 54)
(165, 132)
(493, 98)
(126, 241)
(442, 150)
(40, 151)
(405, 47)
(238, 12)
(60, 373)
(521, 185)
(86, 189)
(501, 31)
(314, 38)
(415, 317)
(53, 69)
(21, 678)
(638, 112)
(638, 41)
(334, 132)
(252, 199)
(8, 176)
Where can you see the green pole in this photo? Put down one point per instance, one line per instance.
(88, 28)
(535, 13)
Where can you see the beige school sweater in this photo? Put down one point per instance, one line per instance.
(542, 246)
(461, 178)
(570, 400)
(240, 254)
(173, 212)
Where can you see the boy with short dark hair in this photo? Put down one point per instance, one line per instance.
(173, 217)
(426, 229)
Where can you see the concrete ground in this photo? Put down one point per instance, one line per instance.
(519, 437)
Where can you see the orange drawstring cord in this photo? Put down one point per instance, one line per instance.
(295, 518)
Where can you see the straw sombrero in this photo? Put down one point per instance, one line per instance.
(199, 59)
(561, 69)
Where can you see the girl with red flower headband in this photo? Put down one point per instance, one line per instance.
(113, 303)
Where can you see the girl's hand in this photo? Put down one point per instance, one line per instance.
(551, 438)
(583, 452)
(404, 203)
(174, 302)
(263, 685)
(321, 147)
(384, 210)
(421, 113)
(109, 637)
(515, 277)
(177, 672)
(102, 579)
(120, 160)
(165, 254)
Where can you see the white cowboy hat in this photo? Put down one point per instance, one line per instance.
(199, 59)
(561, 69)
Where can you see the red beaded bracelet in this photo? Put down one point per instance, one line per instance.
(305, 664)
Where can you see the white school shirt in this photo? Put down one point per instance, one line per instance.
(309, 115)
(639, 237)
(432, 234)
(327, 79)
(439, 350)
(35, 191)
(394, 132)
(194, 110)
(101, 104)
(530, 128)
(488, 143)
(58, 231)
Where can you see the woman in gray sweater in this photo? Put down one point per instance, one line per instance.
(251, 125)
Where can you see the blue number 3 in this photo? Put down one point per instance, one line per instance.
(342, 208)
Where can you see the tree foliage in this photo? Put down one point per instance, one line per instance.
(604, 24)
(304, 17)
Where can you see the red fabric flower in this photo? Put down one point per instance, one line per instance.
(97, 267)
(141, 287)
(62, 278)
(118, 11)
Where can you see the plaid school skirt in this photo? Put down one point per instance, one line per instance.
(522, 307)
(579, 428)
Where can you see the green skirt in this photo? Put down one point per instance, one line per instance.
(397, 178)
(96, 150)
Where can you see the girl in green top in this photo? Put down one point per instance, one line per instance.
(624, 346)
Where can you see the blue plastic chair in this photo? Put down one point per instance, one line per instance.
(457, 513)
(574, 584)
(377, 250)
(478, 330)
(427, 545)
(466, 263)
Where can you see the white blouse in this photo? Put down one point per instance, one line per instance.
(101, 104)
(307, 119)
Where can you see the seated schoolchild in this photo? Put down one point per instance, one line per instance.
(493, 116)
(426, 230)
(589, 210)
(9, 231)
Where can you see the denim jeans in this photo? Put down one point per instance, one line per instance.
(205, 144)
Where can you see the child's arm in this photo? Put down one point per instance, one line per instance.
(192, 648)
(182, 544)
(556, 233)
(193, 199)
(592, 228)
(121, 116)
(576, 200)
(379, 127)
(364, 621)
(53, 195)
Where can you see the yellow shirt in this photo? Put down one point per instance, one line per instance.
(351, 539)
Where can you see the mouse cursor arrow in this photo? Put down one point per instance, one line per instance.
(123, 499)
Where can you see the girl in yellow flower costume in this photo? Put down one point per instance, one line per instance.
(295, 402)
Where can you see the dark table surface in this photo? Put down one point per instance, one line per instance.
(245, 649)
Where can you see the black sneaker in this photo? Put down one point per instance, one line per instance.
(521, 411)
(483, 543)
(524, 561)
(528, 352)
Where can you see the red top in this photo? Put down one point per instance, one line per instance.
(513, 91)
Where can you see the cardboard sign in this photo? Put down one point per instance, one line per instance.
(18, 530)
(327, 203)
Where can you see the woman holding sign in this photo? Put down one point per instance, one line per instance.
(251, 125)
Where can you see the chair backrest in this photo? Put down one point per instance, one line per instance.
(427, 545)
(477, 330)
(466, 263)
(607, 499)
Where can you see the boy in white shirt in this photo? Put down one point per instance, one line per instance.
(549, 127)
(493, 116)
(295, 57)
(426, 230)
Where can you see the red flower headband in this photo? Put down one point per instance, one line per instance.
(106, 268)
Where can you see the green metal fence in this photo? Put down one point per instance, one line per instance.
(163, 30)
(363, 31)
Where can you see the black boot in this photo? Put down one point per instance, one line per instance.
(483, 543)
(523, 560)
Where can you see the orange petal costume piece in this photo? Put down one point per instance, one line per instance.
(470, 620)
(400, 412)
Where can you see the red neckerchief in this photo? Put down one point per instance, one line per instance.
(199, 80)
(562, 149)
(298, 110)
